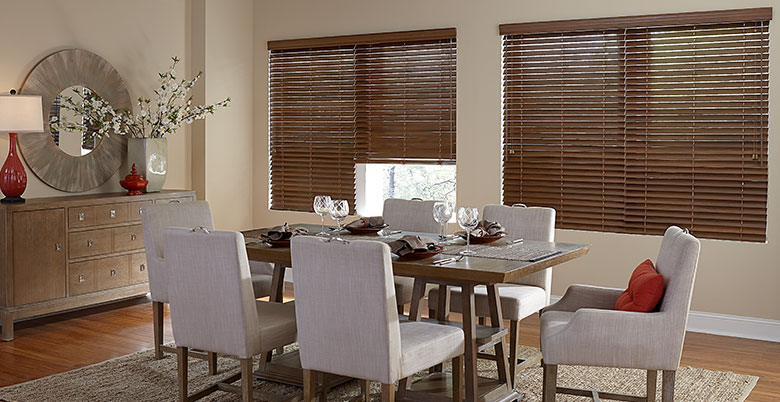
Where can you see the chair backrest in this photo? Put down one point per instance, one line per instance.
(410, 215)
(211, 298)
(157, 217)
(677, 261)
(529, 223)
(345, 308)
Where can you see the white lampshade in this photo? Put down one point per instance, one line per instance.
(21, 114)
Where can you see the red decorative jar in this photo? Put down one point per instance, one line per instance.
(134, 182)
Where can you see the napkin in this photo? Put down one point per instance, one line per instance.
(486, 228)
(411, 244)
(283, 232)
(367, 222)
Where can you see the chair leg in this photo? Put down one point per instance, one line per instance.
(400, 309)
(365, 390)
(157, 318)
(549, 382)
(481, 320)
(388, 392)
(431, 313)
(324, 387)
(181, 354)
(212, 359)
(309, 385)
(668, 386)
(246, 379)
(652, 381)
(457, 378)
(514, 330)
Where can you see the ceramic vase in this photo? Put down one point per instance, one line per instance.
(150, 156)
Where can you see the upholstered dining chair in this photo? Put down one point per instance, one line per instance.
(213, 306)
(155, 218)
(583, 328)
(523, 297)
(369, 343)
(414, 216)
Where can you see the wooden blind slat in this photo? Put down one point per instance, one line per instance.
(633, 124)
(335, 102)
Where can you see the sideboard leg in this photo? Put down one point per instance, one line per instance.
(8, 325)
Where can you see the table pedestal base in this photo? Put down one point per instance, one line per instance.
(437, 387)
(286, 369)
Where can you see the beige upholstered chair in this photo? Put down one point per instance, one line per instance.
(528, 294)
(413, 216)
(347, 323)
(213, 306)
(584, 329)
(157, 217)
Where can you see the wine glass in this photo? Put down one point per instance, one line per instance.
(338, 211)
(322, 205)
(442, 212)
(468, 219)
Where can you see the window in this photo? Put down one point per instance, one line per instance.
(362, 99)
(633, 124)
(379, 181)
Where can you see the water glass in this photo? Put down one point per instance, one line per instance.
(322, 205)
(339, 210)
(442, 212)
(468, 219)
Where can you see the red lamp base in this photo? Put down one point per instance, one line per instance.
(13, 179)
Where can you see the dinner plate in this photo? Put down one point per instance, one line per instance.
(364, 231)
(419, 255)
(483, 239)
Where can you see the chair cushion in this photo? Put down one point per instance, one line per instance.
(277, 324)
(261, 284)
(424, 345)
(517, 301)
(645, 289)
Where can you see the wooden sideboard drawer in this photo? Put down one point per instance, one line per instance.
(134, 213)
(81, 278)
(173, 200)
(111, 272)
(128, 238)
(79, 217)
(92, 242)
(138, 273)
(110, 214)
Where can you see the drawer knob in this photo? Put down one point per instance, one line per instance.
(112, 213)
(132, 237)
(57, 246)
(143, 267)
(81, 217)
(140, 211)
(174, 202)
(89, 243)
(82, 279)
(113, 272)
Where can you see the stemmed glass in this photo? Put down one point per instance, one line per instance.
(468, 219)
(442, 212)
(338, 211)
(322, 205)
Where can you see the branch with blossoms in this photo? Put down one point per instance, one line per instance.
(170, 109)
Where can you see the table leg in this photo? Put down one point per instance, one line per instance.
(497, 320)
(277, 295)
(418, 293)
(469, 331)
(8, 325)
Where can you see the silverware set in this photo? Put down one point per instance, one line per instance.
(448, 260)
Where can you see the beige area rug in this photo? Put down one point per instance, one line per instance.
(138, 377)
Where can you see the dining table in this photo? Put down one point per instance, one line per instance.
(503, 261)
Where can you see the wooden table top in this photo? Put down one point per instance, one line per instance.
(470, 269)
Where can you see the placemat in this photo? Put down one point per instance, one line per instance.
(517, 252)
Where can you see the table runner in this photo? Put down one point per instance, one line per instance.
(517, 252)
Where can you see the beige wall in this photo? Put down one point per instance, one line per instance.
(734, 278)
(137, 37)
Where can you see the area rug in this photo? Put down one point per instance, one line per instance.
(138, 377)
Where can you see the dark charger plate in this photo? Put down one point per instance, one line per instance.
(483, 239)
(419, 255)
(364, 231)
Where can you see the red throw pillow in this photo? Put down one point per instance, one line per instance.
(645, 289)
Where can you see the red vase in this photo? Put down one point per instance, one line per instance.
(134, 182)
(13, 179)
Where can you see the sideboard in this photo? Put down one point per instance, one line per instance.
(63, 253)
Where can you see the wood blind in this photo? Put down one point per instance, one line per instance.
(338, 101)
(633, 128)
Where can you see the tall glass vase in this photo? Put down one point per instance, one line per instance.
(150, 156)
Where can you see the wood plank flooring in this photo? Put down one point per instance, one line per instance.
(60, 343)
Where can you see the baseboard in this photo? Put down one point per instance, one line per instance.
(729, 325)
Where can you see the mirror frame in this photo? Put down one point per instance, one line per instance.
(48, 78)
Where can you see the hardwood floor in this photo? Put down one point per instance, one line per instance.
(60, 343)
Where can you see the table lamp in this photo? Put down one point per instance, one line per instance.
(18, 114)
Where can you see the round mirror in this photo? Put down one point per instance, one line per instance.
(75, 136)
